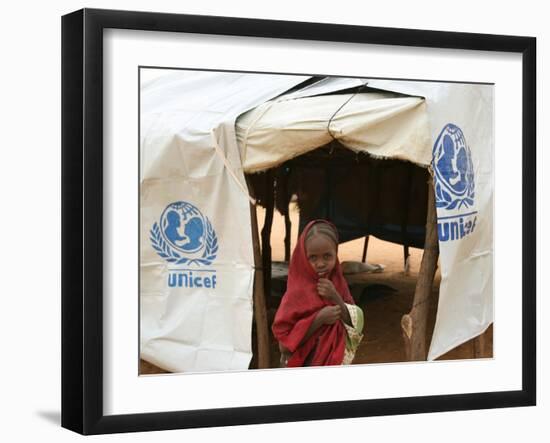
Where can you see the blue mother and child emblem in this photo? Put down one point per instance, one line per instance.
(454, 184)
(454, 171)
(184, 236)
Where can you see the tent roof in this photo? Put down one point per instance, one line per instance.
(381, 124)
(275, 119)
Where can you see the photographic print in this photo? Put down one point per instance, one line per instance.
(305, 220)
(264, 206)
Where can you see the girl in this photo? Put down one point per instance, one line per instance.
(317, 322)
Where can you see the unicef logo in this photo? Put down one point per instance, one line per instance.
(184, 236)
(454, 171)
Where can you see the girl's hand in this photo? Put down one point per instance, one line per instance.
(326, 290)
(329, 315)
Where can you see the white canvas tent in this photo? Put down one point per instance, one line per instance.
(201, 132)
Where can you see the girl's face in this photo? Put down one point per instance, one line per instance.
(321, 254)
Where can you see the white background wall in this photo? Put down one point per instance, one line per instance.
(30, 185)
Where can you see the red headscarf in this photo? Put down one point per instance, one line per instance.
(299, 306)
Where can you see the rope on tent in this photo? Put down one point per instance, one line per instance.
(267, 107)
(230, 168)
(363, 86)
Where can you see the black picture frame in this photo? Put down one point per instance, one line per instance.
(82, 218)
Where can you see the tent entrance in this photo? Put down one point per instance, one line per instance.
(361, 195)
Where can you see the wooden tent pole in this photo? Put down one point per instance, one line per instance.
(413, 324)
(405, 217)
(406, 256)
(260, 312)
(283, 177)
(480, 345)
(266, 232)
(288, 231)
(365, 247)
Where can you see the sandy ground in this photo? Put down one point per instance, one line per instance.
(384, 297)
